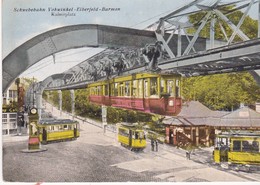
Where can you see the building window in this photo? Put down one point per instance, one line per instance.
(12, 94)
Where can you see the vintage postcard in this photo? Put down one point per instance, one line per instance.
(130, 91)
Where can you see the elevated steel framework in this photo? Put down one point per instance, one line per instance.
(167, 46)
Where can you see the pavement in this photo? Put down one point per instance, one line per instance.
(168, 164)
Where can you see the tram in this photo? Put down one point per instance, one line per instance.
(237, 147)
(131, 137)
(147, 92)
(52, 130)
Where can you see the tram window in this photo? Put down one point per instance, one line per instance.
(141, 135)
(153, 86)
(237, 146)
(136, 135)
(65, 127)
(123, 132)
(127, 88)
(60, 127)
(255, 146)
(246, 147)
(135, 88)
(70, 127)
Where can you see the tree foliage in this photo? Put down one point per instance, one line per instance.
(249, 26)
(222, 91)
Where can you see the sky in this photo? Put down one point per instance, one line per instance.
(19, 27)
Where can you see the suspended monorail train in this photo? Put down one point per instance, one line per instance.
(147, 92)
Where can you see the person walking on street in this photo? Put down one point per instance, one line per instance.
(152, 144)
(156, 145)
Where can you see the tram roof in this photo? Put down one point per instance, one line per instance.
(56, 121)
(241, 133)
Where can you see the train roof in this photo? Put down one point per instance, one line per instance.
(56, 121)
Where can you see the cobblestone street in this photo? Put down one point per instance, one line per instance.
(97, 157)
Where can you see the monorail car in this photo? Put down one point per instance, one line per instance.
(238, 148)
(147, 92)
(131, 137)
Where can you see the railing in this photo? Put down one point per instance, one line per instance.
(9, 123)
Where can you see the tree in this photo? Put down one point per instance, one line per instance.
(223, 91)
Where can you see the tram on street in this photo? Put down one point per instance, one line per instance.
(147, 92)
(237, 147)
(52, 130)
(131, 137)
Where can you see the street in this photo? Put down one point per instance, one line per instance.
(98, 157)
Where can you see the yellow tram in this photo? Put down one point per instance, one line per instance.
(131, 137)
(237, 147)
(56, 130)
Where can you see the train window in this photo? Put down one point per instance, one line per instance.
(99, 90)
(237, 146)
(116, 89)
(146, 88)
(65, 127)
(135, 92)
(121, 89)
(153, 86)
(106, 90)
(177, 91)
(140, 88)
(162, 85)
(127, 88)
(170, 87)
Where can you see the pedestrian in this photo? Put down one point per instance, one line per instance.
(188, 155)
(152, 144)
(156, 145)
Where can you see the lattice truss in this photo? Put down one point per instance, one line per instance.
(174, 39)
(214, 12)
